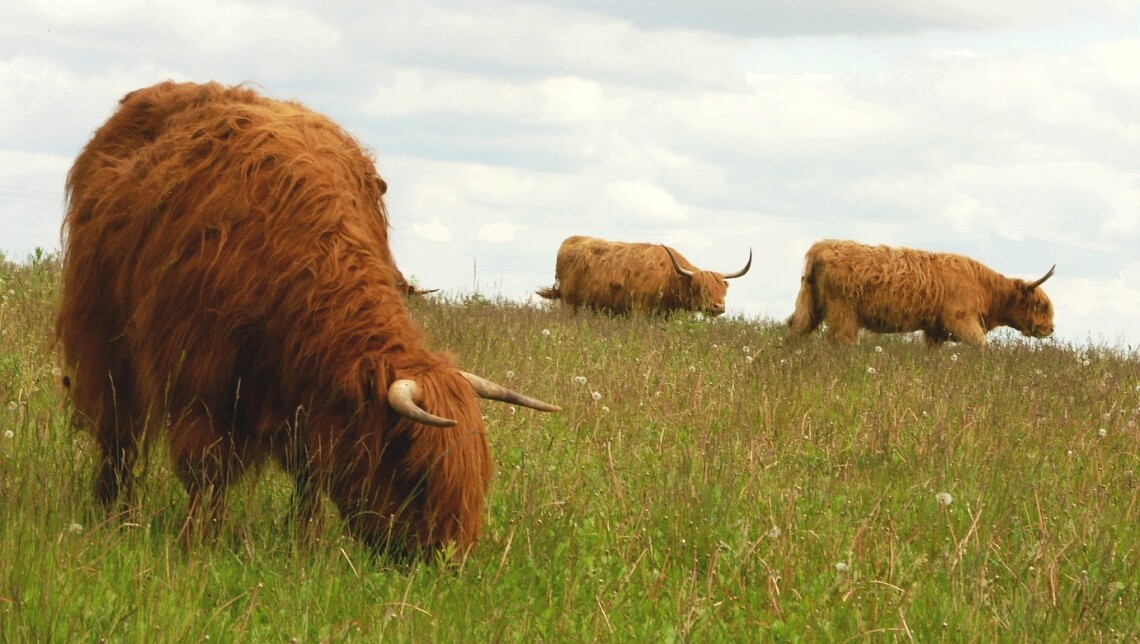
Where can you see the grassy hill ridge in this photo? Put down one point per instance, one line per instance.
(705, 481)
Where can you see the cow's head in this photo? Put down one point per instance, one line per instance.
(707, 289)
(1029, 309)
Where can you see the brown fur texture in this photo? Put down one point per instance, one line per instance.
(228, 284)
(623, 277)
(887, 290)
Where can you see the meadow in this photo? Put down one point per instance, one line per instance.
(705, 481)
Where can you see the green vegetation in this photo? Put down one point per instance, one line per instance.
(722, 486)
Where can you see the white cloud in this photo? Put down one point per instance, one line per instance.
(496, 232)
(573, 98)
(681, 238)
(646, 200)
(433, 231)
(496, 183)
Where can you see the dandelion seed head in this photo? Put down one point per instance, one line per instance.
(1102, 432)
(878, 349)
(944, 498)
(748, 359)
(546, 333)
(597, 395)
(871, 370)
(581, 380)
(8, 434)
(953, 357)
(841, 567)
(510, 374)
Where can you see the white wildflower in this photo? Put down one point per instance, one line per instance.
(747, 349)
(605, 409)
(546, 333)
(871, 370)
(1102, 432)
(692, 368)
(597, 395)
(510, 374)
(748, 359)
(775, 532)
(878, 349)
(8, 434)
(581, 380)
(944, 498)
(953, 357)
(1085, 363)
(841, 567)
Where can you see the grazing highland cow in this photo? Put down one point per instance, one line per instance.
(887, 290)
(620, 277)
(227, 284)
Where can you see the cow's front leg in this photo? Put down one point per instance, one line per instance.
(967, 328)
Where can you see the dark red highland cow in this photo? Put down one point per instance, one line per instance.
(227, 283)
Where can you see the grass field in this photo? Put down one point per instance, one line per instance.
(705, 482)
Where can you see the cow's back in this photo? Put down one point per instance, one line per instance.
(894, 289)
(207, 219)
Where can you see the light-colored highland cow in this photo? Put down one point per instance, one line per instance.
(622, 277)
(887, 290)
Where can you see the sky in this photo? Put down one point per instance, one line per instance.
(1006, 130)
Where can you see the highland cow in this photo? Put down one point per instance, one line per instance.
(621, 277)
(228, 285)
(888, 290)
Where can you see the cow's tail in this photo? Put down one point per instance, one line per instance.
(808, 314)
(550, 293)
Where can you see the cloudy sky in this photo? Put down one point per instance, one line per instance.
(1008, 130)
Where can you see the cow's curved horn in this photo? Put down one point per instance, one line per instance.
(1033, 285)
(419, 291)
(492, 391)
(404, 396)
(676, 264)
(742, 271)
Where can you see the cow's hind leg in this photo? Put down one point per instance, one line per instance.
(807, 315)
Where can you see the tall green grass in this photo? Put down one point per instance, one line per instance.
(705, 481)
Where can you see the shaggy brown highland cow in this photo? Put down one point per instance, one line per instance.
(621, 277)
(227, 284)
(887, 290)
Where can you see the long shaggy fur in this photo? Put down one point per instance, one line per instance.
(622, 277)
(228, 284)
(882, 289)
